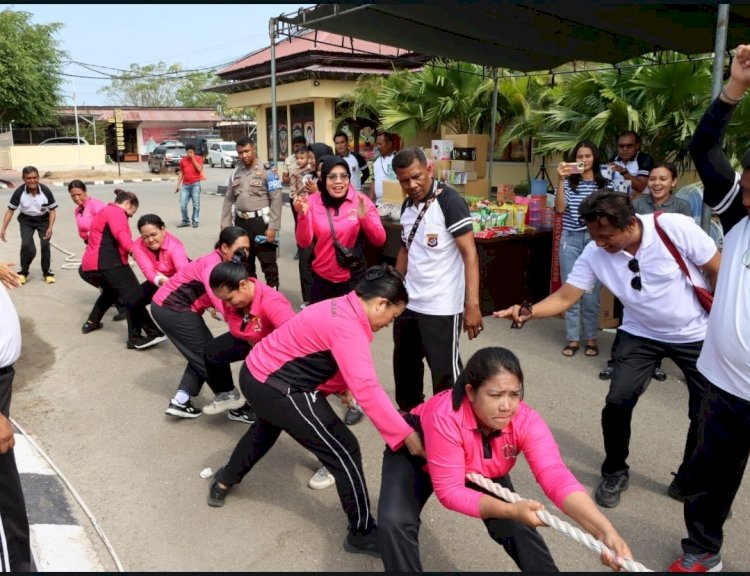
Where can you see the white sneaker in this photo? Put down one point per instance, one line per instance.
(224, 401)
(321, 479)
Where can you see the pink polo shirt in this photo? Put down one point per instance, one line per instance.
(110, 240)
(455, 446)
(314, 224)
(84, 215)
(269, 310)
(189, 290)
(166, 261)
(326, 347)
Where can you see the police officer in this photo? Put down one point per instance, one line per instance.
(255, 190)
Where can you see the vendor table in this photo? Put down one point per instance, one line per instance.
(511, 269)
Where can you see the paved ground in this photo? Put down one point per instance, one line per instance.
(97, 410)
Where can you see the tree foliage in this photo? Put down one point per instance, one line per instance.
(154, 85)
(30, 67)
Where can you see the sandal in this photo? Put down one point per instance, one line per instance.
(570, 351)
(591, 350)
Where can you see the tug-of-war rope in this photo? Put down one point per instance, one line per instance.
(553, 522)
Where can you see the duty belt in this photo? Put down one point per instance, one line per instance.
(253, 213)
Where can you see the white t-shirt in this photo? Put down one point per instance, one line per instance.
(729, 366)
(666, 308)
(10, 330)
(382, 170)
(356, 177)
(435, 277)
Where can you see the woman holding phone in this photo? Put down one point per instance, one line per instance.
(577, 180)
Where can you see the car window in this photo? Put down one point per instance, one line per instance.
(214, 146)
(158, 150)
(228, 147)
(176, 150)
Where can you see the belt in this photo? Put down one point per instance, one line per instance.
(6, 369)
(253, 213)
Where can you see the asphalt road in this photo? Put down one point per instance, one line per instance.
(98, 410)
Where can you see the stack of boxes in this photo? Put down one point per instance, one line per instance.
(467, 177)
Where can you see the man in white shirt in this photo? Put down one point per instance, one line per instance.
(358, 168)
(382, 166)
(662, 317)
(15, 550)
(439, 259)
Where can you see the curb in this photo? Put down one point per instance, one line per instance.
(118, 181)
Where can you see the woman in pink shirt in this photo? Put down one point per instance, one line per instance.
(322, 350)
(252, 310)
(350, 214)
(481, 426)
(105, 265)
(86, 208)
(178, 307)
(158, 253)
(336, 219)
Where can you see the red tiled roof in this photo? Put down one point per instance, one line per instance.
(320, 42)
(135, 114)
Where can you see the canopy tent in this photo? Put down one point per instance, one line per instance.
(532, 35)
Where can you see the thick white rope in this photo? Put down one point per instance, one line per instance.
(72, 262)
(553, 522)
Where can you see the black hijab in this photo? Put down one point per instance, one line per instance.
(328, 163)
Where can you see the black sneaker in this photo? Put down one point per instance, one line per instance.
(246, 414)
(148, 341)
(659, 375)
(217, 494)
(133, 341)
(363, 543)
(675, 491)
(120, 316)
(606, 374)
(608, 492)
(352, 416)
(186, 410)
(91, 326)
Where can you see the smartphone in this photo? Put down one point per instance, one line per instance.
(575, 167)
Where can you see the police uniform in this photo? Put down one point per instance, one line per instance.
(255, 192)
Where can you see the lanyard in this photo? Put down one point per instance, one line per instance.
(421, 214)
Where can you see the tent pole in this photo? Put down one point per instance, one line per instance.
(717, 80)
(493, 122)
(274, 128)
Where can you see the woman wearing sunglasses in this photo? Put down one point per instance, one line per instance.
(662, 316)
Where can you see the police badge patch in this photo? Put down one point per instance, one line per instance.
(432, 240)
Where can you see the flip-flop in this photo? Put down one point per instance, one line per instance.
(570, 351)
(591, 350)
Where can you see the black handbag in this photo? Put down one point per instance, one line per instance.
(353, 259)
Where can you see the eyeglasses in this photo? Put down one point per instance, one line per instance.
(337, 177)
(626, 145)
(635, 283)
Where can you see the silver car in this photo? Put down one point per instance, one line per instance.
(222, 154)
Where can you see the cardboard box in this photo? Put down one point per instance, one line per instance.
(441, 149)
(440, 165)
(479, 141)
(456, 177)
(392, 192)
(476, 188)
(463, 165)
(506, 193)
(609, 316)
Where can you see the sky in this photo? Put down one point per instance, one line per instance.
(117, 35)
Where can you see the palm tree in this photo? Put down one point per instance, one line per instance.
(444, 93)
